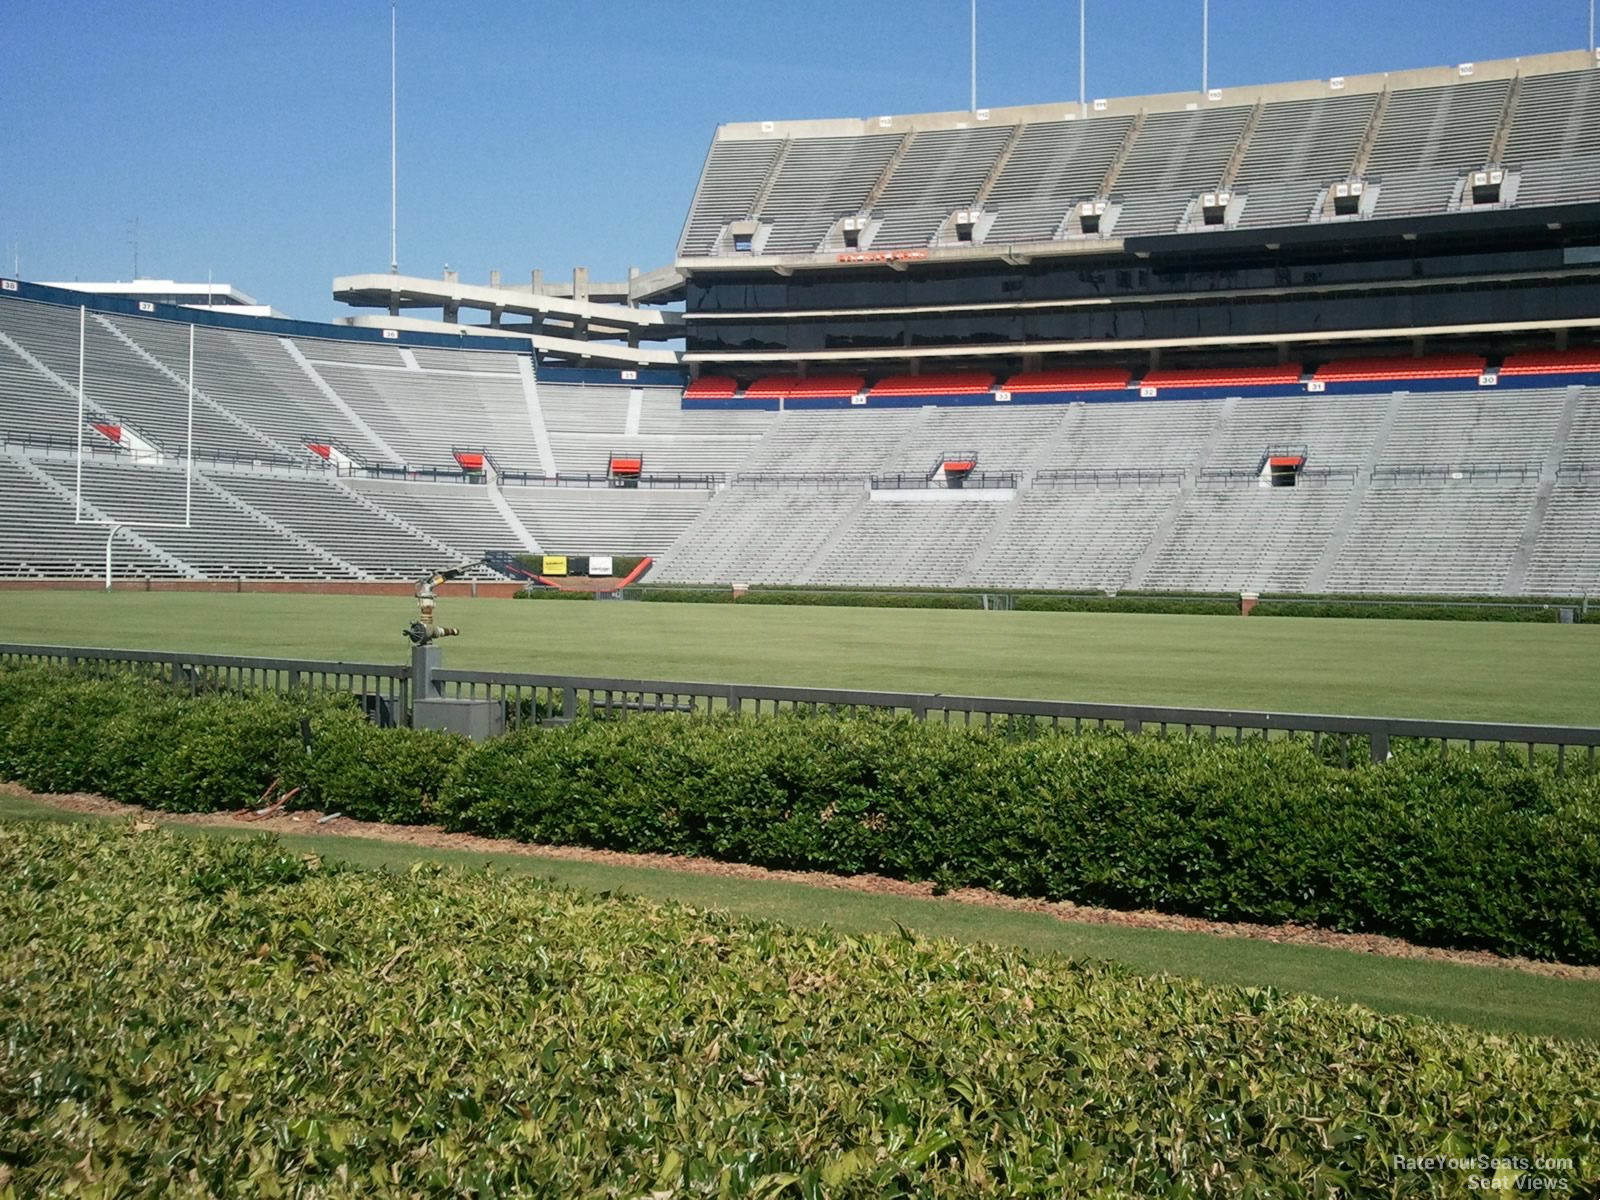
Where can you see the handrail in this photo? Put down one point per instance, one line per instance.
(693, 480)
(976, 480)
(836, 479)
(1420, 471)
(1116, 475)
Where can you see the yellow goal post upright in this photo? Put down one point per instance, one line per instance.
(112, 524)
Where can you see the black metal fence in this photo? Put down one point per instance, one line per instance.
(532, 698)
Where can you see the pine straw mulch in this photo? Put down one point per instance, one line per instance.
(434, 838)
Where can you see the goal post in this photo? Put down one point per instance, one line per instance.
(113, 524)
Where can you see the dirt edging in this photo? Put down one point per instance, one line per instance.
(432, 837)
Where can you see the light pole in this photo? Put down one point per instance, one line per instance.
(1083, 73)
(974, 40)
(394, 174)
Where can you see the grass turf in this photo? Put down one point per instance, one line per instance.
(1443, 669)
(1488, 998)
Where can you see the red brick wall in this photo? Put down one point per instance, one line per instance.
(496, 590)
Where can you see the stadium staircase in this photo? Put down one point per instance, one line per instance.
(200, 397)
(1548, 477)
(333, 398)
(250, 512)
(1139, 571)
(398, 522)
(1369, 140)
(1339, 532)
(102, 520)
(91, 408)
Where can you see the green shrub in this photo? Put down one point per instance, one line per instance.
(142, 742)
(1472, 852)
(373, 774)
(195, 1017)
(537, 592)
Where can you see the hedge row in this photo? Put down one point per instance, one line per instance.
(133, 740)
(1469, 853)
(226, 1018)
(1434, 610)
(1025, 601)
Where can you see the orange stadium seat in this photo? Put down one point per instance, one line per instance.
(708, 386)
(935, 383)
(1438, 366)
(1070, 379)
(779, 386)
(1280, 373)
(1551, 362)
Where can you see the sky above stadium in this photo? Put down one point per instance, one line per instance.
(251, 140)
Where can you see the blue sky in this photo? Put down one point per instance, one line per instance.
(251, 139)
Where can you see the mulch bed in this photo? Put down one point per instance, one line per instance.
(432, 837)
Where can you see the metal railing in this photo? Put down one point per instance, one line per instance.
(840, 480)
(532, 698)
(975, 481)
(1116, 476)
(691, 480)
(95, 449)
(1418, 472)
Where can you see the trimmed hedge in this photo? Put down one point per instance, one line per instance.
(1436, 608)
(1470, 853)
(140, 742)
(1440, 611)
(969, 600)
(202, 1016)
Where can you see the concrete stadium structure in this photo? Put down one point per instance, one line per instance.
(1333, 337)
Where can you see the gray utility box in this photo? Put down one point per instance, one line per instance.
(478, 719)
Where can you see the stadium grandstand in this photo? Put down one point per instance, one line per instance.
(1337, 337)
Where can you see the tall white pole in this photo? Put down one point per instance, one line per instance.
(188, 448)
(77, 516)
(1205, 45)
(974, 56)
(1591, 28)
(1083, 61)
(394, 173)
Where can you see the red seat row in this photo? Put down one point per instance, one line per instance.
(1281, 373)
(934, 383)
(785, 386)
(1071, 379)
(1439, 366)
(1551, 362)
(1091, 379)
(711, 387)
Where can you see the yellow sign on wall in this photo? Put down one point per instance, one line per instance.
(555, 564)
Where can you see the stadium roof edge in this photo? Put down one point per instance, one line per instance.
(1505, 68)
(609, 353)
(219, 319)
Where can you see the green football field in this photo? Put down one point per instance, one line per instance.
(1442, 669)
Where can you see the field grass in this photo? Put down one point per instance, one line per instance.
(1443, 669)
(1493, 999)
